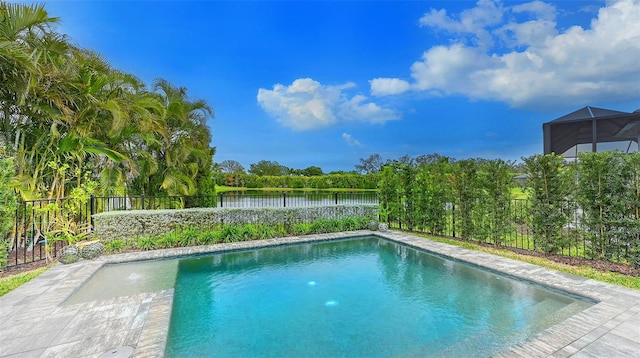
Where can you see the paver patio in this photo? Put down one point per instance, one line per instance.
(35, 322)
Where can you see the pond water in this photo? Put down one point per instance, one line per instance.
(244, 199)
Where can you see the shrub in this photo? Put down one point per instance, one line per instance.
(325, 226)
(168, 241)
(264, 231)
(349, 224)
(248, 232)
(552, 185)
(210, 237)
(136, 223)
(114, 246)
(190, 237)
(300, 229)
(147, 243)
(231, 233)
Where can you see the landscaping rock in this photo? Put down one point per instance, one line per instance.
(69, 255)
(91, 250)
(373, 225)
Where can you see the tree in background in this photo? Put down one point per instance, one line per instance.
(370, 165)
(265, 167)
(312, 171)
(231, 167)
(427, 159)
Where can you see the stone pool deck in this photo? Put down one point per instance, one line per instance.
(35, 322)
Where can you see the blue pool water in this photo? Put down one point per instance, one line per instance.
(352, 298)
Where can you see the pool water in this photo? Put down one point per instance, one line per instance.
(127, 279)
(352, 298)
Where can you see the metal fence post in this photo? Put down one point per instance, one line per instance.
(284, 199)
(453, 217)
(142, 198)
(92, 208)
(221, 200)
(336, 196)
(15, 236)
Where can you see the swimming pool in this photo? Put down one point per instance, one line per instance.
(37, 319)
(356, 297)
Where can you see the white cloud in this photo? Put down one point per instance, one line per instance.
(388, 86)
(350, 140)
(531, 62)
(357, 108)
(542, 10)
(472, 21)
(306, 104)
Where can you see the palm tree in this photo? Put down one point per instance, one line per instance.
(182, 151)
(67, 116)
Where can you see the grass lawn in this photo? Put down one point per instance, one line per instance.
(518, 193)
(9, 283)
(584, 271)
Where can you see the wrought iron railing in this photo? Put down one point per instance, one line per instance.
(35, 220)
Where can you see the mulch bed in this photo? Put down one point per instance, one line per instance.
(14, 270)
(604, 266)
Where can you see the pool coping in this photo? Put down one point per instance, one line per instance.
(35, 322)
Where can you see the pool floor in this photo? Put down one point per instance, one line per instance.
(36, 322)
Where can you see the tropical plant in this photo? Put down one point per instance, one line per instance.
(147, 243)
(8, 204)
(114, 246)
(65, 112)
(300, 229)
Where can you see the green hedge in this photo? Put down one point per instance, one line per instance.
(329, 181)
(137, 223)
(588, 208)
(193, 236)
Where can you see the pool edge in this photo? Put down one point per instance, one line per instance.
(609, 328)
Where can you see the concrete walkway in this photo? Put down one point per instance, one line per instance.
(35, 322)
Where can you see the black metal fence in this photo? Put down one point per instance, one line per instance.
(37, 220)
(519, 232)
(518, 236)
(299, 199)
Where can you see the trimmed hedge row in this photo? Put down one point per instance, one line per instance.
(328, 181)
(136, 223)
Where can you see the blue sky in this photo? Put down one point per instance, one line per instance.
(329, 82)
